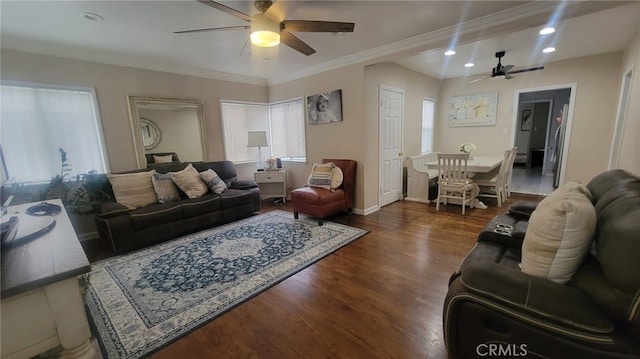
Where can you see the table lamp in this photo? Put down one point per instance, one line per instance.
(258, 139)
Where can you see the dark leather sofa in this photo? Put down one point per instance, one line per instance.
(493, 309)
(128, 230)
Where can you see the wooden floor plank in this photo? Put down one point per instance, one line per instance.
(378, 297)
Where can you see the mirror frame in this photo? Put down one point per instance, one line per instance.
(134, 119)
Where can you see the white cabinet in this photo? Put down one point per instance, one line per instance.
(273, 184)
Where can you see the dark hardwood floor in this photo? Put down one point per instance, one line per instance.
(379, 297)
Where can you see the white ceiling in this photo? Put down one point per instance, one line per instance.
(411, 33)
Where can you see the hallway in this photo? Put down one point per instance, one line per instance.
(531, 181)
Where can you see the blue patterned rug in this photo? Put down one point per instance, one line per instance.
(142, 301)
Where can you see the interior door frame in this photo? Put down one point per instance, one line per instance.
(567, 120)
(381, 88)
(621, 117)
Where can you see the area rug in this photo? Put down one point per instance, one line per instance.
(142, 301)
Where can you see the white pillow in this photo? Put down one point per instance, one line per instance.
(213, 181)
(189, 181)
(133, 189)
(321, 175)
(559, 234)
(336, 177)
(162, 159)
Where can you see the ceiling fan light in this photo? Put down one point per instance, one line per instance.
(499, 77)
(549, 50)
(265, 38)
(264, 32)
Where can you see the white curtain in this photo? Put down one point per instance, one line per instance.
(287, 130)
(37, 122)
(427, 126)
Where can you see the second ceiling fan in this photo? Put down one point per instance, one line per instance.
(505, 71)
(267, 32)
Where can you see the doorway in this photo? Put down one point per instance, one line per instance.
(539, 135)
(390, 167)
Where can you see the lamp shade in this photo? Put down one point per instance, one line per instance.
(257, 139)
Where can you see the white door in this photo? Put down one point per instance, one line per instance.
(391, 119)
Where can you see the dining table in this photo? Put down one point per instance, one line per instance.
(475, 165)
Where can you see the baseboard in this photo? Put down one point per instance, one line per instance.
(368, 211)
(420, 200)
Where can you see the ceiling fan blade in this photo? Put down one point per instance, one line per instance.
(239, 27)
(225, 8)
(295, 43)
(316, 26)
(506, 68)
(246, 48)
(527, 70)
(480, 79)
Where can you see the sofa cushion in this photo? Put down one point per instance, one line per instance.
(133, 190)
(166, 190)
(321, 174)
(213, 181)
(196, 206)
(151, 216)
(235, 198)
(559, 234)
(189, 181)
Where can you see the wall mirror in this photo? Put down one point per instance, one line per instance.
(162, 126)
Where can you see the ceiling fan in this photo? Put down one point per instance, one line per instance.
(266, 32)
(505, 71)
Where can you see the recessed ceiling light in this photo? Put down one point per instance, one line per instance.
(92, 17)
(547, 31)
(449, 52)
(549, 50)
(469, 64)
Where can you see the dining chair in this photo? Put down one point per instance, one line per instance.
(453, 180)
(512, 160)
(495, 187)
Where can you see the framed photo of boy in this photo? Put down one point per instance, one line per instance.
(325, 107)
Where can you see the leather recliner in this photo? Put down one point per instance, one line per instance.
(320, 202)
(494, 309)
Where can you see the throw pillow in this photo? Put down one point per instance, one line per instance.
(163, 159)
(133, 189)
(166, 190)
(213, 181)
(189, 181)
(336, 177)
(559, 234)
(321, 174)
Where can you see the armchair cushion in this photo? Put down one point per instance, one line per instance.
(321, 174)
(559, 234)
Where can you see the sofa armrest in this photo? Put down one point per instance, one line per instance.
(243, 184)
(548, 301)
(111, 209)
(522, 209)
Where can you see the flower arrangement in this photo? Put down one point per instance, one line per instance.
(272, 164)
(467, 147)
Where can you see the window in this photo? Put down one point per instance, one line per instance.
(427, 126)
(38, 120)
(283, 122)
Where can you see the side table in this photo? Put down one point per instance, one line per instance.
(42, 304)
(273, 184)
